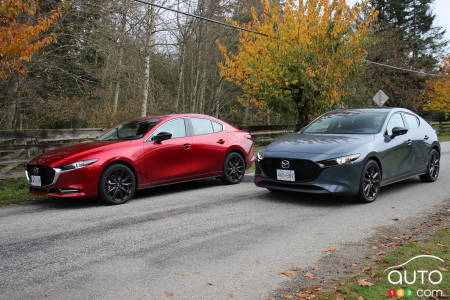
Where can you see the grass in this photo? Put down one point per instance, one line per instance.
(444, 138)
(438, 246)
(14, 191)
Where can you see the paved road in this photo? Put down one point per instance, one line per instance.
(180, 238)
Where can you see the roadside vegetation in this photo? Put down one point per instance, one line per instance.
(444, 138)
(14, 191)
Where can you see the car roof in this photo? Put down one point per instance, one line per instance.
(171, 116)
(373, 109)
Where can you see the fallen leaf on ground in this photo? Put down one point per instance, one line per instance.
(169, 294)
(354, 265)
(309, 275)
(381, 253)
(302, 295)
(441, 245)
(360, 298)
(442, 228)
(48, 295)
(341, 297)
(366, 269)
(329, 250)
(289, 273)
(231, 295)
(373, 275)
(426, 252)
(374, 247)
(443, 269)
(363, 282)
(395, 219)
(287, 297)
(258, 262)
(392, 207)
(211, 284)
(375, 241)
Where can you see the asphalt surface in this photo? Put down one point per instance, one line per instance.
(201, 240)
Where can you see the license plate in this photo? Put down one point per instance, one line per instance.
(286, 175)
(35, 180)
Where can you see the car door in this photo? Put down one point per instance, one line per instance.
(209, 145)
(170, 160)
(420, 147)
(397, 150)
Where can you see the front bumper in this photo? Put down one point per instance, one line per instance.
(79, 183)
(342, 180)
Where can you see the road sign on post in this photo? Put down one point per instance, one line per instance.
(380, 98)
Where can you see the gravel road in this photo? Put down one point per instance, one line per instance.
(201, 240)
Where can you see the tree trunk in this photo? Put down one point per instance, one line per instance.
(123, 23)
(148, 47)
(13, 87)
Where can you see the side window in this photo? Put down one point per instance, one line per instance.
(412, 121)
(217, 126)
(201, 126)
(395, 121)
(176, 127)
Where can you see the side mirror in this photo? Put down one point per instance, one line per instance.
(396, 131)
(162, 136)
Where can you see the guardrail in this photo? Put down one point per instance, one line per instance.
(17, 147)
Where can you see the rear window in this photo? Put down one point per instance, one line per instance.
(217, 126)
(201, 126)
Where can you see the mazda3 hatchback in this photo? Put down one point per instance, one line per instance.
(143, 153)
(351, 152)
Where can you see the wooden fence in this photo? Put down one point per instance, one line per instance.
(17, 147)
(442, 128)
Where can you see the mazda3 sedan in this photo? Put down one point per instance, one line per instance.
(351, 152)
(143, 153)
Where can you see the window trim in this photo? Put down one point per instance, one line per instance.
(149, 139)
(416, 117)
(223, 126)
(390, 118)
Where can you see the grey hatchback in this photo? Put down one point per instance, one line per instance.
(351, 152)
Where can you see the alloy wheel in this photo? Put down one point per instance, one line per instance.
(434, 165)
(119, 185)
(235, 168)
(371, 182)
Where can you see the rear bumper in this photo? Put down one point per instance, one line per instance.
(342, 180)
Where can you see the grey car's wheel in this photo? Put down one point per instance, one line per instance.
(233, 168)
(117, 184)
(434, 163)
(369, 186)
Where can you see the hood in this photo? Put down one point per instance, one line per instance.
(73, 153)
(319, 143)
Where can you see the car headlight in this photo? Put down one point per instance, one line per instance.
(259, 156)
(340, 160)
(77, 165)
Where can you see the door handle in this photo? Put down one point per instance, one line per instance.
(409, 142)
(187, 146)
(221, 141)
(426, 138)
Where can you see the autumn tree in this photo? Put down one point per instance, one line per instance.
(438, 90)
(312, 50)
(21, 34)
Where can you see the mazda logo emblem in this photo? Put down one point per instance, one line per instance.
(35, 171)
(285, 164)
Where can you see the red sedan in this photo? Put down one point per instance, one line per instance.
(143, 153)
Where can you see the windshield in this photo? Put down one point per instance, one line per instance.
(348, 122)
(129, 131)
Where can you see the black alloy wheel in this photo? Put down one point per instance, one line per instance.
(370, 182)
(117, 184)
(233, 168)
(432, 173)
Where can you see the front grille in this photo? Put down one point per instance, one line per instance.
(305, 170)
(47, 174)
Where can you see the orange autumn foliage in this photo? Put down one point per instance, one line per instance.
(21, 34)
(313, 49)
(438, 90)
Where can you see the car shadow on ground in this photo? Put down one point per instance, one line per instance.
(305, 199)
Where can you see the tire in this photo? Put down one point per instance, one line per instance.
(117, 184)
(432, 173)
(369, 186)
(233, 168)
